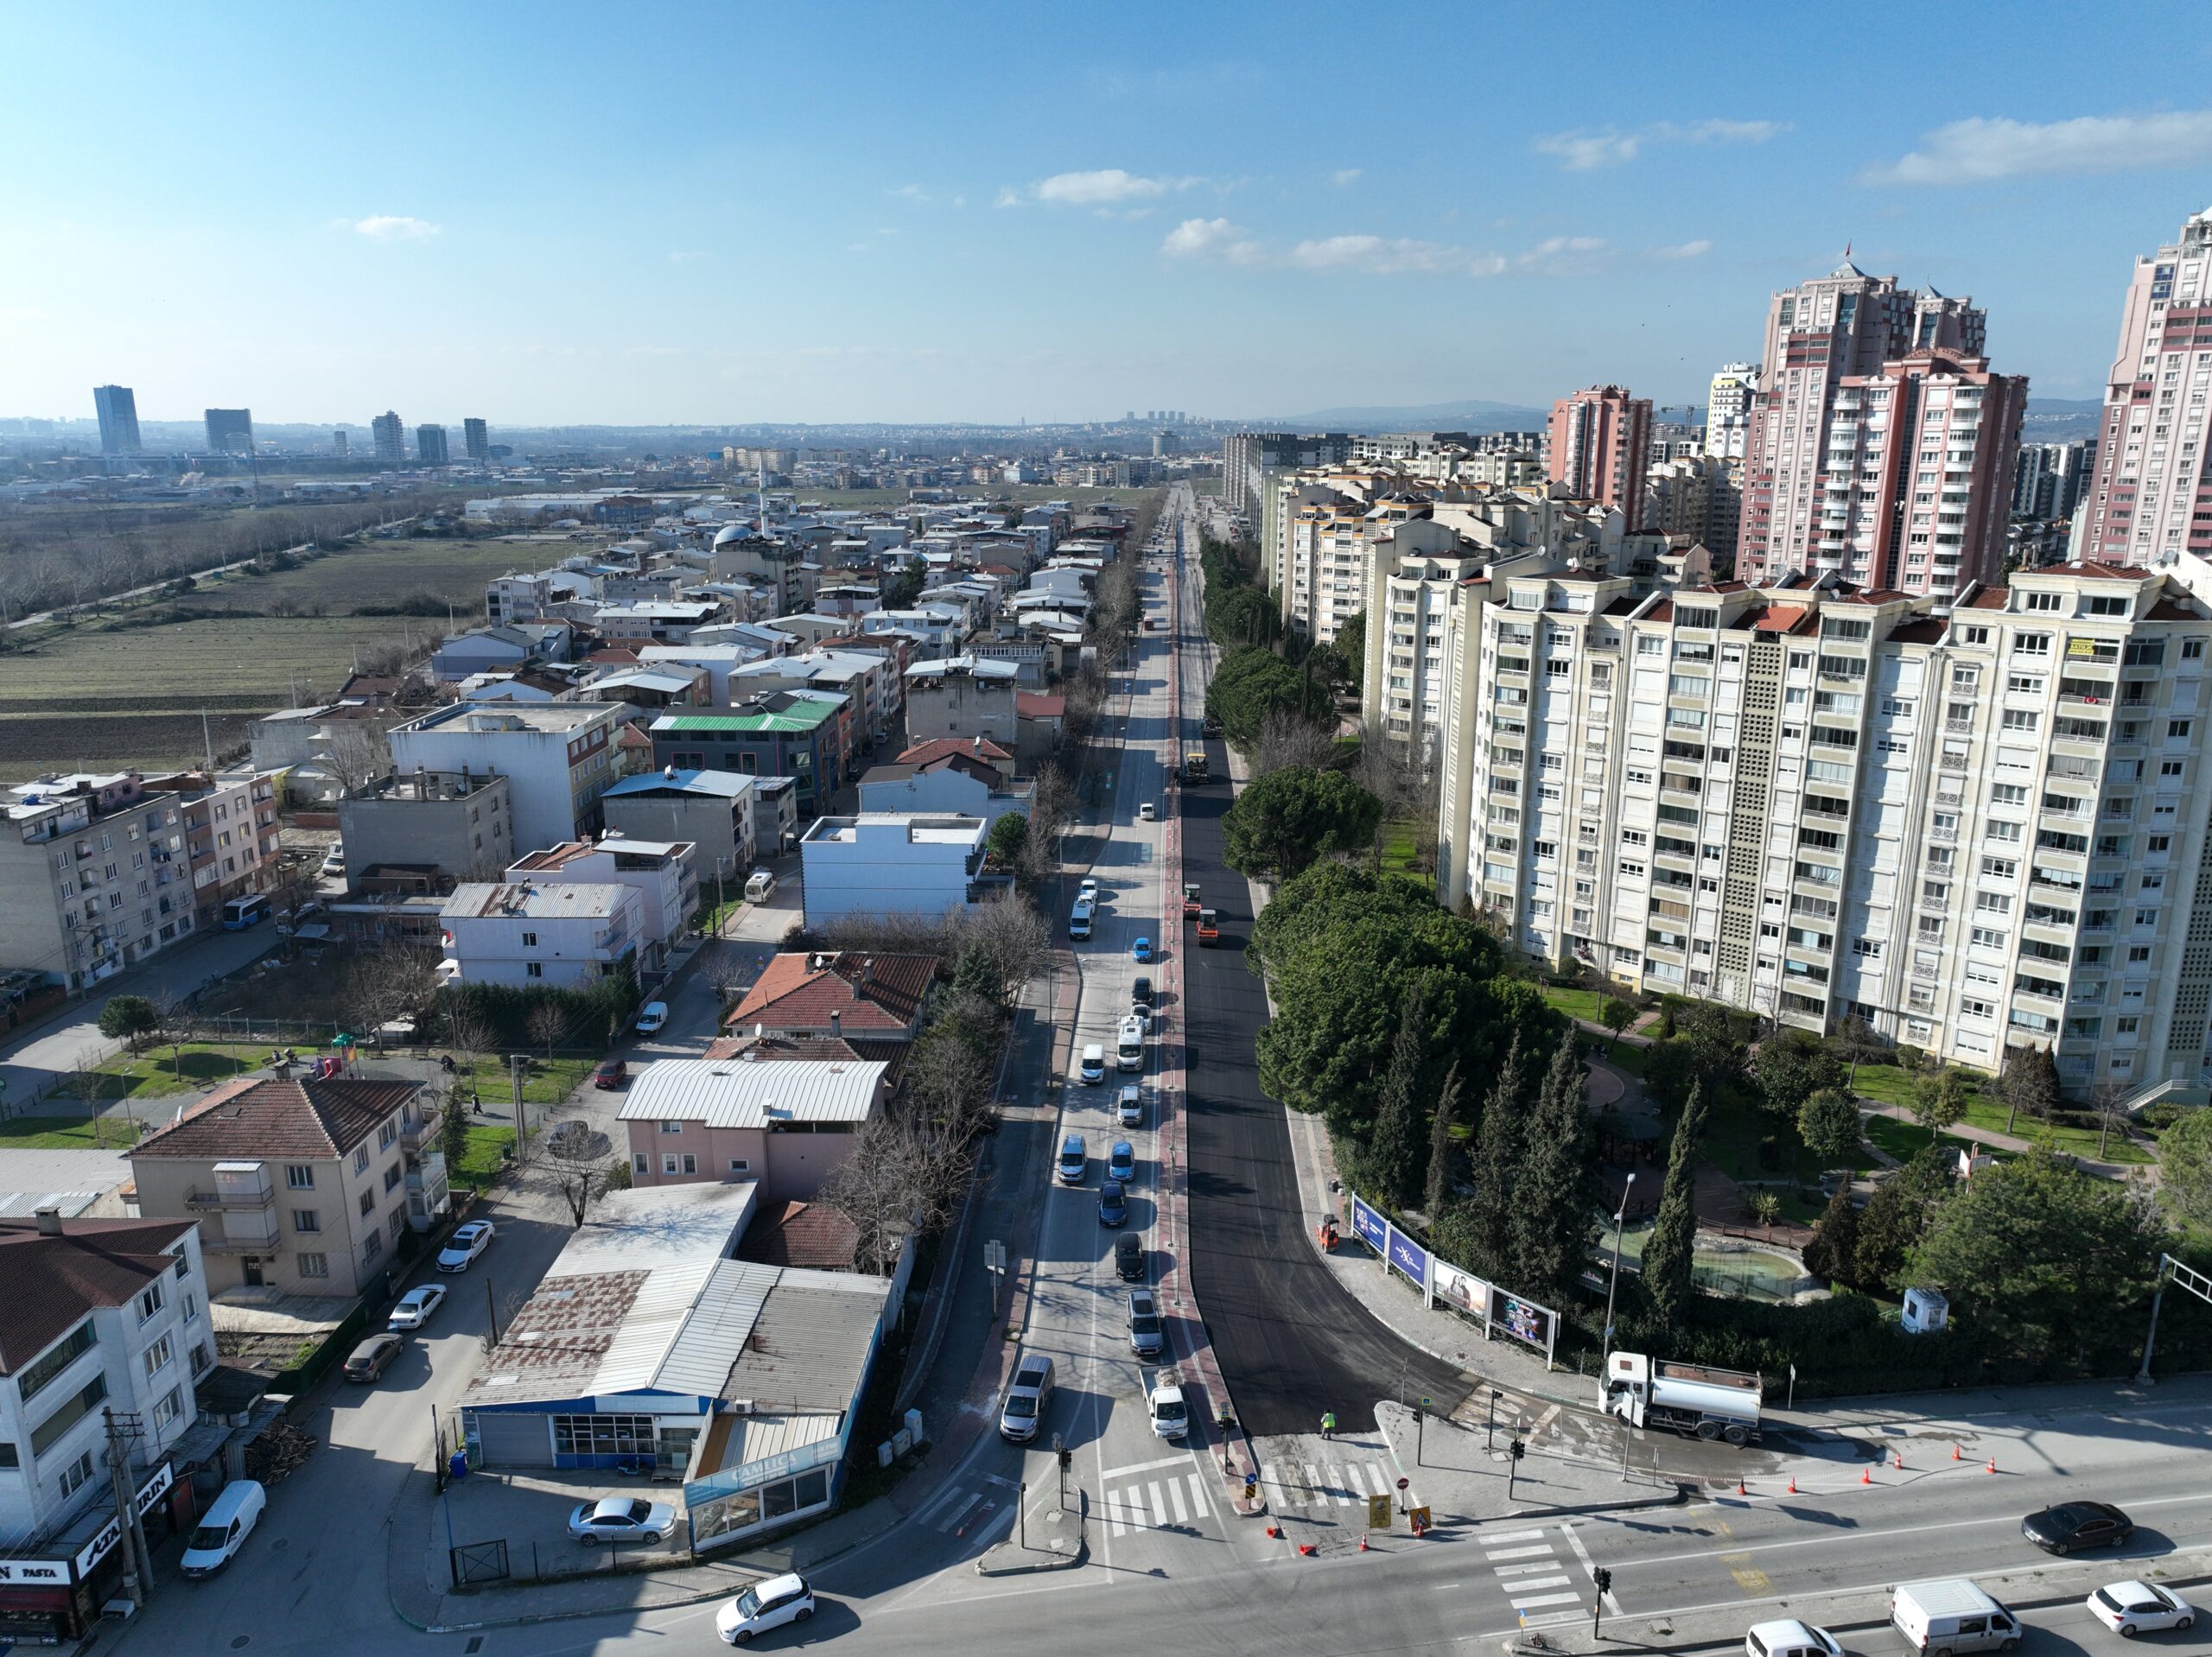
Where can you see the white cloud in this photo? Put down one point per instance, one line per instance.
(912, 192)
(1697, 250)
(1008, 197)
(1344, 176)
(1974, 151)
(395, 227)
(1105, 186)
(1553, 245)
(687, 256)
(1585, 150)
(1382, 255)
(1212, 238)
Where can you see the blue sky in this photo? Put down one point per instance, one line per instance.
(842, 211)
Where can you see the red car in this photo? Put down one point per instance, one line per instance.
(611, 1073)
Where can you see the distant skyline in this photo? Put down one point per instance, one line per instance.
(730, 215)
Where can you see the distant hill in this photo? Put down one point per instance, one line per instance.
(2058, 420)
(1469, 416)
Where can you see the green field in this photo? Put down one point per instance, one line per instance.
(1575, 1003)
(66, 1134)
(381, 572)
(1028, 494)
(1892, 1086)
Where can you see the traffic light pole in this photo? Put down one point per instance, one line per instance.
(1604, 1578)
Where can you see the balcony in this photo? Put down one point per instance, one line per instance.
(238, 1189)
(241, 1233)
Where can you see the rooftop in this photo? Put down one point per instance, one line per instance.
(554, 901)
(933, 829)
(303, 1120)
(541, 718)
(54, 1280)
(718, 784)
(785, 715)
(870, 994)
(753, 1093)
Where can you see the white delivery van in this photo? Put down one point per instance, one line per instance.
(1129, 1045)
(1942, 1619)
(759, 886)
(1090, 1069)
(222, 1530)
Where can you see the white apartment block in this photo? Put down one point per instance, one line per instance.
(1973, 827)
(1728, 409)
(558, 757)
(557, 934)
(663, 873)
(94, 876)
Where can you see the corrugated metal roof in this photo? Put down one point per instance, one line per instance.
(753, 1093)
(721, 1322)
(809, 1341)
(651, 1328)
(756, 1438)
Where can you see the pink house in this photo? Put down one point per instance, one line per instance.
(783, 1122)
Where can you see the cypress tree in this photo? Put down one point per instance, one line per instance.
(1394, 1149)
(1554, 1199)
(1833, 1251)
(1485, 1220)
(1438, 1184)
(1667, 1274)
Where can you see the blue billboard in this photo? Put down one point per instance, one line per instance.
(1409, 1256)
(1370, 1227)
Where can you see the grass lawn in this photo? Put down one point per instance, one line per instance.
(64, 1133)
(541, 1083)
(1575, 1003)
(486, 1156)
(1627, 1056)
(1892, 1086)
(161, 1070)
(1399, 854)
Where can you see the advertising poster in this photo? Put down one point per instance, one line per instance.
(1524, 1320)
(1463, 1293)
(1369, 1226)
(1409, 1257)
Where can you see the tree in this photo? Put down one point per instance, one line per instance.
(1352, 647)
(1615, 1015)
(1833, 1252)
(1284, 820)
(2045, 1257)
(1242, 615)
(1790, 1067)
(1712, 1041)
(1856, 1043)
(469, 1034)
(2031, 1084)
(1555, 1195)
(901, 590)
(2109, 1099)
(1009, 836)
(355, 754)
(453, 1130)
(1478, 1233)
(1939, 1099)
(2185, 1169)
(548, 1022)
(1893, 1220)
(1010, 941)
(1393, 1156)
(130, 1018)
(1668, 1275)
(1290, 739)
(1828, 1123)
(726, 973)
(901, 1178)
(577, 1156)
(1437, 1186)
(1249, 682)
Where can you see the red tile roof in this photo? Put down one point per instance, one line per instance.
(810, 1234)
(1036, 704)
(1921, 630)
(1780, 618)
(259, 1116)
(872, 993)
(1988, 598)
(54, 1281)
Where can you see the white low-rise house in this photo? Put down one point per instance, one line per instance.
(99, 1315)
(787, 1122)
(718, 661)
(893, 864)
(666, 621)
(938, 626)
(962, 696)
(559, 934)
(557, 757)
(664, 874)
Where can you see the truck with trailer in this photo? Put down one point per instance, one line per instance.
(1688, 1397)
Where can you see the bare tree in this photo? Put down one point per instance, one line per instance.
(355, 754)
(902, 1177)
(1012, 937)
(886, 934)
(1287, 739)
(91, 1086)
(948, 1080)
(549, 1024)
(469, 1034)
(725, 973)
(576, 1158)
(385, 984)
(2109, 1099)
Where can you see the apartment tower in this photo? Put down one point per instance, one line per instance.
(476, 437)
(230, 431)
(1600, 446)
(390, 437)
(2152, 497)
(1818, 333)
(430, 445)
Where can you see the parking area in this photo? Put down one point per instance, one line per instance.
(530, 1512)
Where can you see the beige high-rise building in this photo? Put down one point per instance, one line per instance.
(1972, 825)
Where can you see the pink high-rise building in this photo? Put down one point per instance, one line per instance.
(2152, 494)
(1818, 333)
(1917, 486)
(1600, 446)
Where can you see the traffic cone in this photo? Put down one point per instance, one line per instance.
(1899, 1463)
(1740, 1490)
(1957, 1454)
(1866, 1475)
(1793, 1485)
(1363, 1545)
(1276, 1531)
(1306, 1550)
(1992, 1464)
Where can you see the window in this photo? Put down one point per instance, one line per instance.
(739, 1166)
(169, 1408)
(361, 1161)
(603, 1435)
(671, 1128)
(1987, 936)
(306, 1220)
(690, 1163)
(372, 1248)
(640, 1163)
(158, 1356)
(299, 1176)
(312, 1265)
(70, 1347)
(530, 940)
(2178, 730)
(76, 1476)
(533, 969)
(368, 1201)
(151, 1299)
(392, 1176)
(668, 1162)
(50, 1431)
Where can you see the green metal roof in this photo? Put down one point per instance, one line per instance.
(794, 721)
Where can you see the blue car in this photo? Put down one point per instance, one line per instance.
(1121, 1162)
(1113, 1204)
(1143, 950)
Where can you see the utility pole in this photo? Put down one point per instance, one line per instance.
(522, 1128)
(137, 1570)
(492, 1308)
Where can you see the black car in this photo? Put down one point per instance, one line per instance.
(1140, 993)
(1113, 1203)
(2073, 1525)
(1128, 1257)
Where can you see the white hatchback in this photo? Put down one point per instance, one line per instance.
(766, 1606)
(2131, 1608)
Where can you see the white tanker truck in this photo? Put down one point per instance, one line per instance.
(1688, 1397)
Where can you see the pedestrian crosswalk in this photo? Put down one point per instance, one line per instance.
(1303, 1486)
(1163, 1503)
(1537, 1583)
(964, 1510)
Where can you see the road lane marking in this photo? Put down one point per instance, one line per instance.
(1529, 1585)
(1534, 1568)
(960, 1512)
(1110, 1474)
(1546, 1599)
(1198, 1503)
(1589, 1565)
(1519, 1552)
(928, 1510)
(1749, 1577)
(1175, 1494)
(1158, 1507)
(1514, 1536)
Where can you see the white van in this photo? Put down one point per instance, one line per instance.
(1942, 1618)
(222, 1530)
(1129, 1045)
(1091, 1068)
(1079, 919)
(759, 886)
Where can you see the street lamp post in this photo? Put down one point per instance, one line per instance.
(1613, 1283)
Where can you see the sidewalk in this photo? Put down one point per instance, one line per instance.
(2145, 1171)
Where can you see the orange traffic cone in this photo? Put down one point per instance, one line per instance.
(1306, 1550)
(1957, 1454)
(1363, 1545)
(1992, 1464)
(1276, 1531)
(1793, 1485)
(1899, 1463)
(1866, 1475)
(1740, 1490)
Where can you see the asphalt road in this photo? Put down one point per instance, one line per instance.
(1292, 1343)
